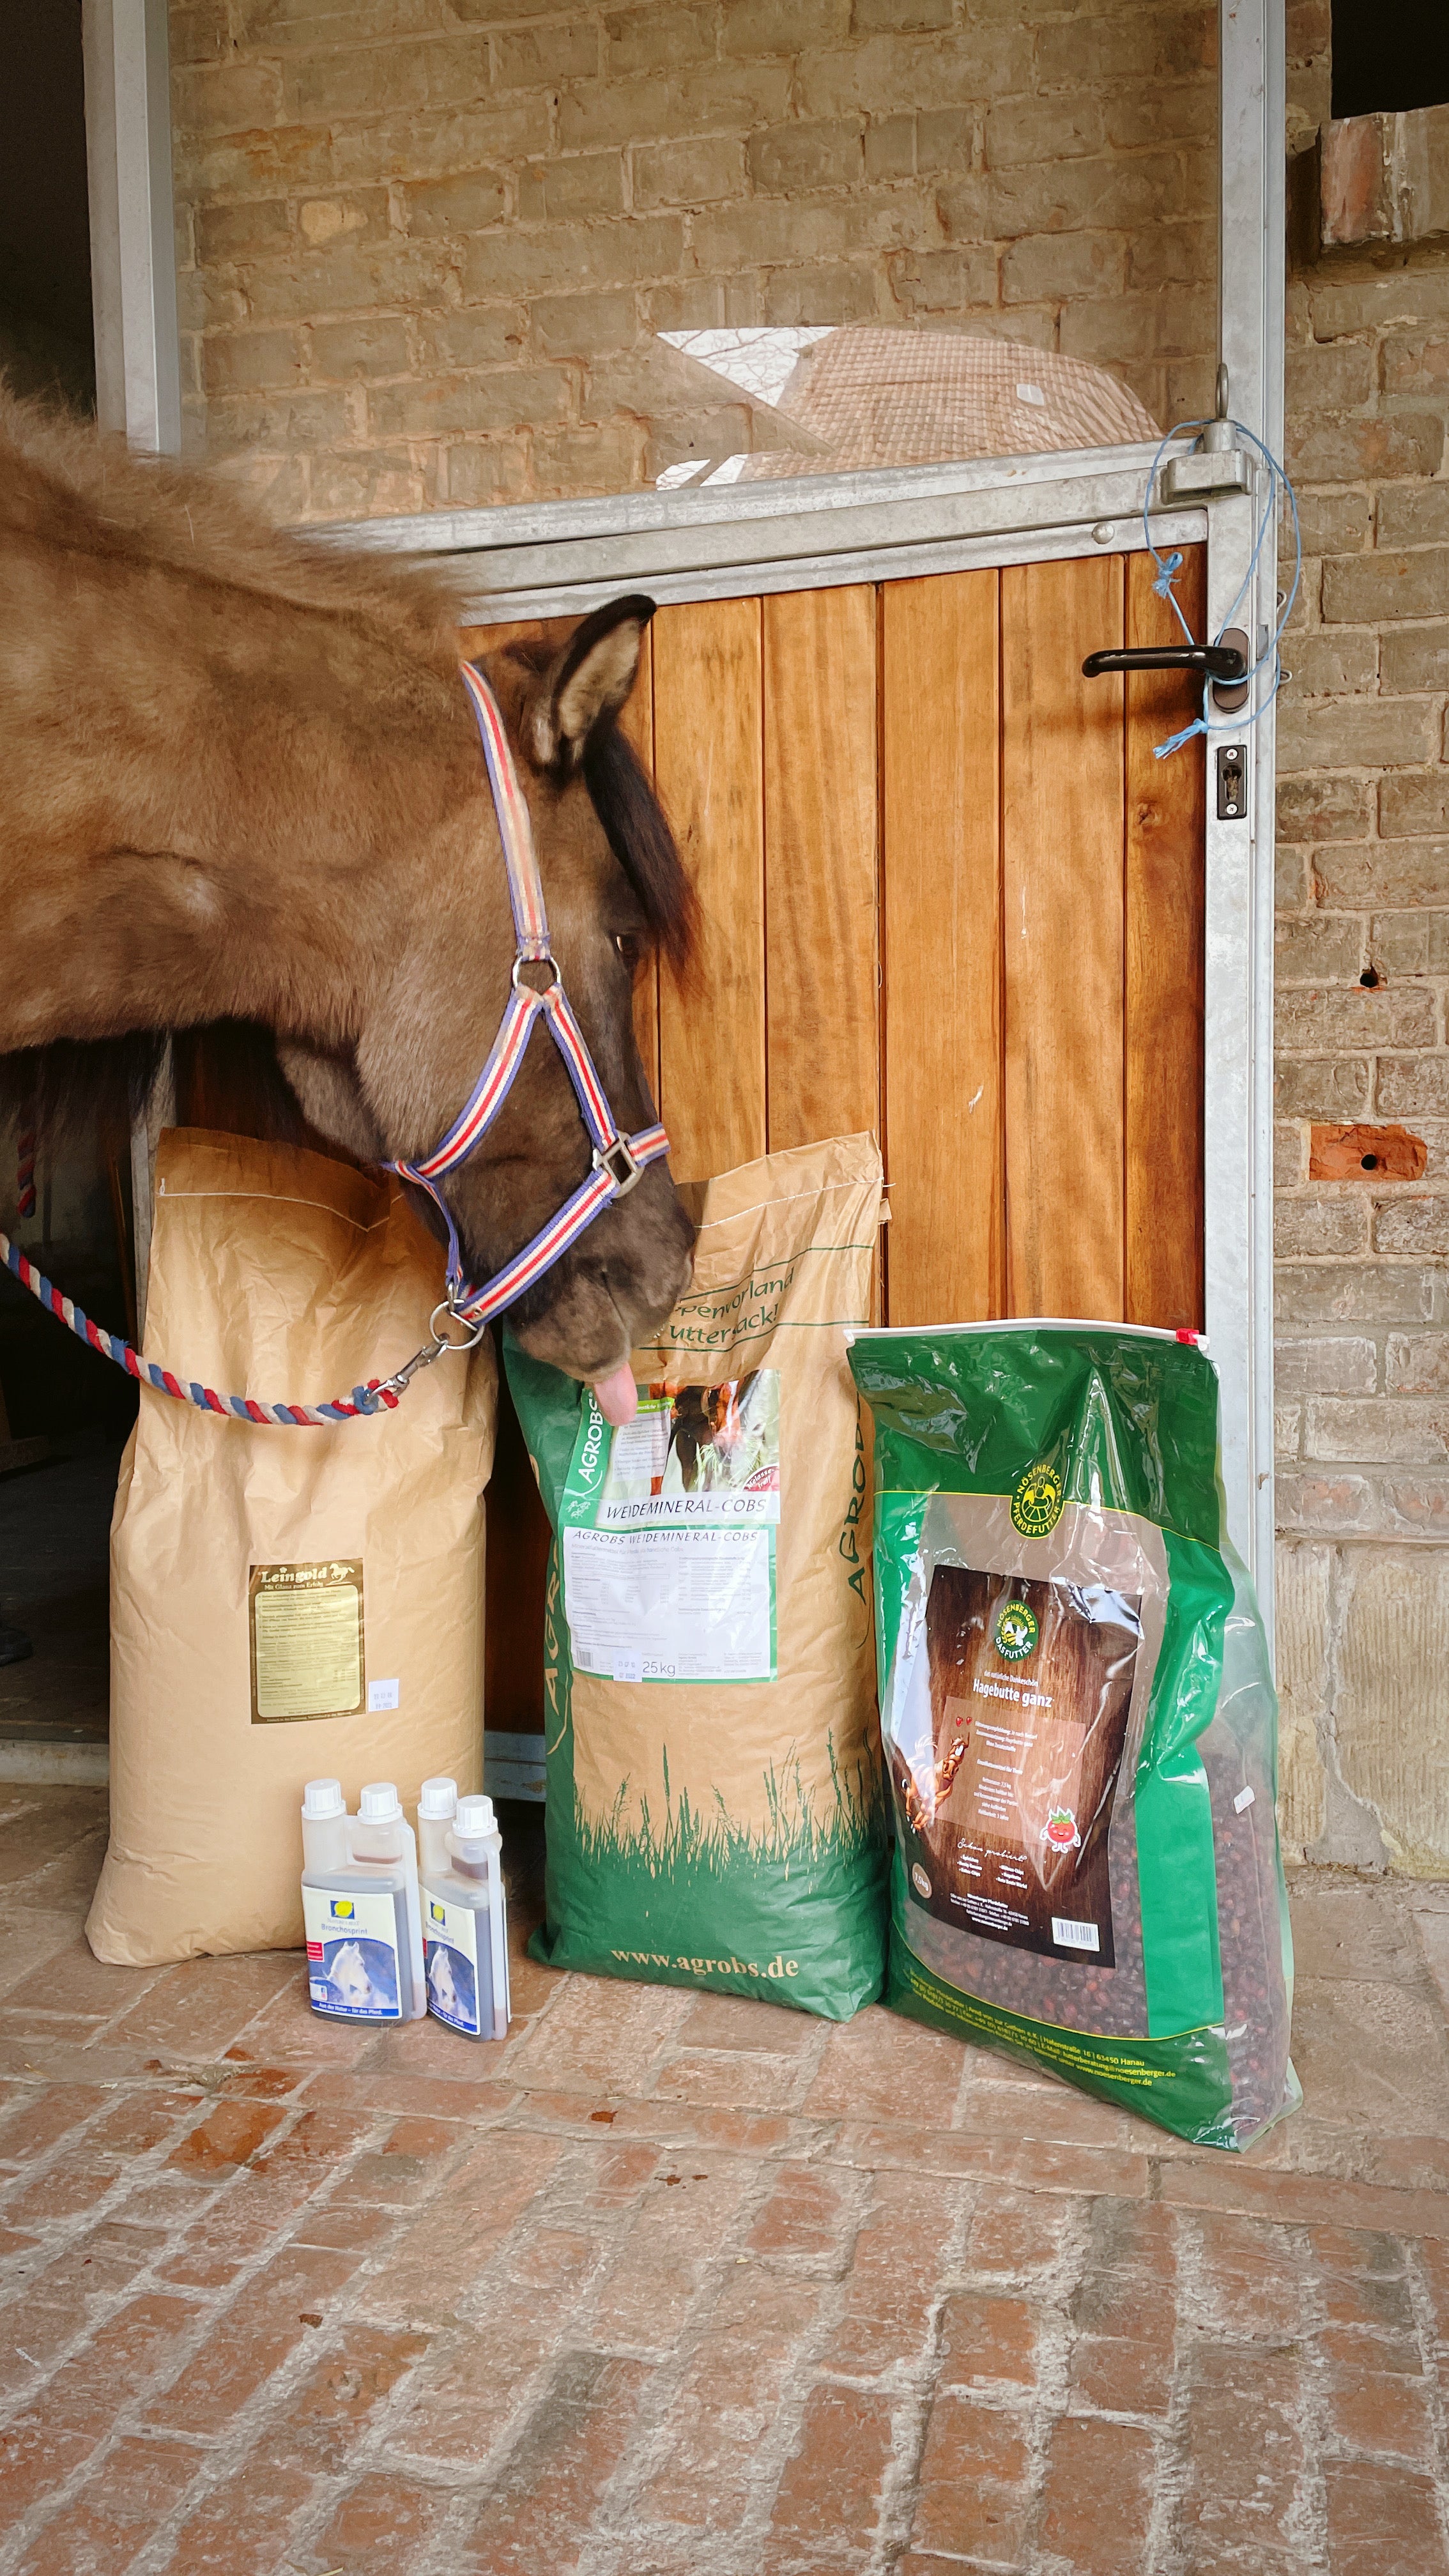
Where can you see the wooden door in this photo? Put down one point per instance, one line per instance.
(947, 892)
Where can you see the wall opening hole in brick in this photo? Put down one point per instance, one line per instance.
(1370, 976)
(1370, 1162)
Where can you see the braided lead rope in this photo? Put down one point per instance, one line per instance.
(310, 1417)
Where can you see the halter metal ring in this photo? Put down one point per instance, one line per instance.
(520, 982)
(446, 1307)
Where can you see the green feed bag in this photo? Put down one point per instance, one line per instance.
(715, 1808)
(1079, 1719)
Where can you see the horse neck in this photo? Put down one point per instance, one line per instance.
(241, 819)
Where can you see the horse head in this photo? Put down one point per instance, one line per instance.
(616, 895)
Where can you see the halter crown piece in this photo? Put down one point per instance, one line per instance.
(618, 1159)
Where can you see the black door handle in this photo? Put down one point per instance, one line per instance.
(1214, 661)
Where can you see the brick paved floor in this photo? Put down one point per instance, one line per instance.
(680, 2284)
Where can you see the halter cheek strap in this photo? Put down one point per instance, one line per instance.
(538, 992)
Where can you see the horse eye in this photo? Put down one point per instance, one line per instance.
(628, 948)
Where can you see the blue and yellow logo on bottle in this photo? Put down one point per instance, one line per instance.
(436, 1913)
(1017, 1632)
(342, 1909)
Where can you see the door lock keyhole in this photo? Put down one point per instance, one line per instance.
(1232, 782)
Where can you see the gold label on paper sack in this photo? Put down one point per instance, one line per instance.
(306, 1630)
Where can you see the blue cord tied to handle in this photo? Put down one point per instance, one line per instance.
(1170, 565)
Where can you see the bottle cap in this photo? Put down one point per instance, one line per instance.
(437, 1800)
(379, 1804)
(474, 1819)
(322, 1799)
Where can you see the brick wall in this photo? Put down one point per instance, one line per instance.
(1363, 971)
(425, 245)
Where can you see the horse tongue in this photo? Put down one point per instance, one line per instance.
(616, 1396)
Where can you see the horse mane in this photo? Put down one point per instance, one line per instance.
(64, 488)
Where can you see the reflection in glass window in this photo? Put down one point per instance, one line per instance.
(823, 401)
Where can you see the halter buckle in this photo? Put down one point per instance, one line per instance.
(619, 1163)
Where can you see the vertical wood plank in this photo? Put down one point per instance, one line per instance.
(942, 948)
(1062, 908)
(1166, 836)
(820, 868)
(707, 755)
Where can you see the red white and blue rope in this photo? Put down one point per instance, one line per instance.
(246, 1408)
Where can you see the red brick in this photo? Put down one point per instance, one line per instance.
(233, 2227)
(1244, 2449)
(196, 2010)
(139, 2122)
(74, 1980)
(345, 2224)
(803, 2215)
(1363, 2278)
(829, 2495)
(439, 2253)
(383, 2526)
(319, 2139)
(408, 2166)
(739, 2022)
(1014, 2232)
(891, 2284)
(1253, 2281)
(250, 2338)
(987, 2341)
(597, 2032)
(467, 2391)
(244, 2523)
(1382, 2518)
(116, 2512)
(33, 2125)
(37, 2456)
(1097, 2497)
(132, 2347)
(1124, 2309)
(973, 2498)
(882, 2067)
(757, 2328)
(329, 2412)
(646, 2294)
(1378, 2399)
(540, 2512)
(229, 2136)
(1293, 2198)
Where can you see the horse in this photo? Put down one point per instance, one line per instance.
(240, 781)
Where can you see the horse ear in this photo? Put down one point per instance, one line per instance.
(590, 680)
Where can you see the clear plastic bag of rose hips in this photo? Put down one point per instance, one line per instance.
(1079, 1719)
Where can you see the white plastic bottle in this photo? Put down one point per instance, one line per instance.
(360, 1905)
(465, 1925)
(437, 1806)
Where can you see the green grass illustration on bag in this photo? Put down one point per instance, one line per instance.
(715, 1813)
(1079, 1721)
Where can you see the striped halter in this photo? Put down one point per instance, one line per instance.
(618, 1159)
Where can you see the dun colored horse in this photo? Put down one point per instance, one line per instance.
(240, 780)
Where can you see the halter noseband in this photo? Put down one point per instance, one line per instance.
(618, 1159)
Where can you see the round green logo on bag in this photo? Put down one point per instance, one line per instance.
(1036, 1504)
(1017, 1632)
